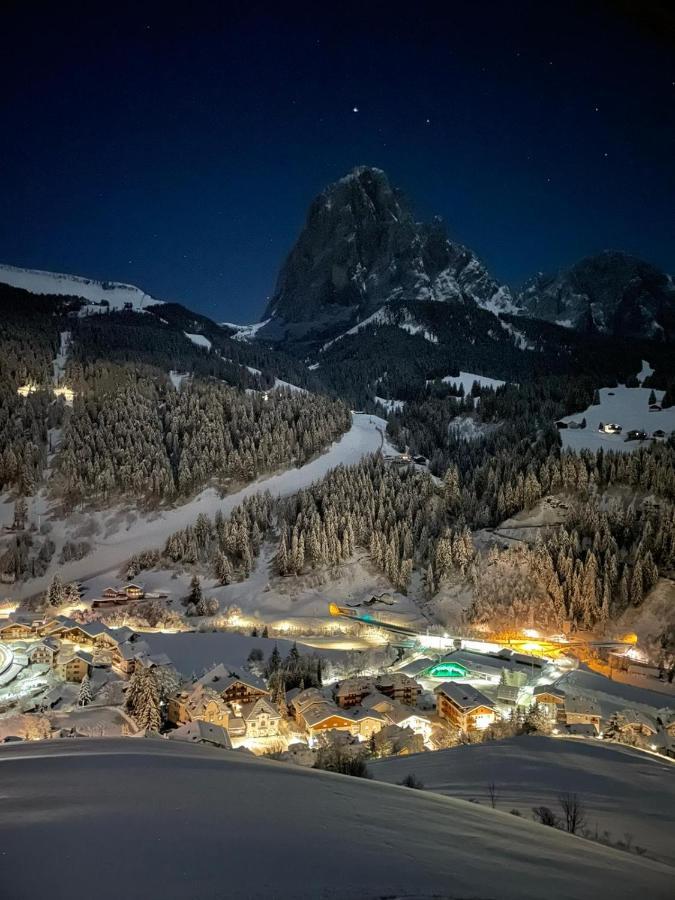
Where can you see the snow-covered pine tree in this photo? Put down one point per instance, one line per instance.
(56, 592)
(143, 699)
(85, 696)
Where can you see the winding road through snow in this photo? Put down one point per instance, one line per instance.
(364, 437)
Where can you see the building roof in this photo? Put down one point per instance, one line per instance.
(221, 678)
(508, 693)
(401, 713)
(464, 696)
(319, 712)
(358, 714)
(256, 707)
(549, 689)
(581, 706)
(379, 701)
(636, 717)
(202, 733)
(304, 699)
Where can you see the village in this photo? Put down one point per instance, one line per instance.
(60, 677)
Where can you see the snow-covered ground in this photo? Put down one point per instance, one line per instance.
(624, 791)
(198, 339)
(390, 405)
(613, 696)
(192, 652)
(114, 293)
(244, 332)
(120, 534)
(148, 817)
(466, 379)
(628, 407)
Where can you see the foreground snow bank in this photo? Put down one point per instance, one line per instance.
(183, 821)
(624, 791)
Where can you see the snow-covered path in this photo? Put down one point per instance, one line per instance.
(364, 437)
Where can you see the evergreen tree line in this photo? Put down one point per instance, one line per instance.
(586, 573)
(131, 434)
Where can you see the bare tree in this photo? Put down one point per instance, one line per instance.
(545, 816)
(492, 791)
(574, 812)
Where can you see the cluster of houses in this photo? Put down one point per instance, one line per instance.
(131, 592)
(232, 705)
(241, 707)
(72, 648)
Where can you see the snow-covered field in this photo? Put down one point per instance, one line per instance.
(625, 791)
(613, 696)
(193, 652)
(150, 818)
(114, 293)
(628, 407)
(198, 340)
(466, 379)
(121, 534)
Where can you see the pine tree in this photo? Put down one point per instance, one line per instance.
(56, 592)
(20, 514)
(143, 699)
(223, 568)
(195, 596)
(85, 697)
(274, 662)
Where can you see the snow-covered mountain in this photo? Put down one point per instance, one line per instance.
(361, 249)
(98, 295)
(613, 293)
(180, 821)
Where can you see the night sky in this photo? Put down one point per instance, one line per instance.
(180, 152)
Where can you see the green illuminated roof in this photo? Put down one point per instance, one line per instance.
(447, 670)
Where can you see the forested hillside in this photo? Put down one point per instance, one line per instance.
(131, 433)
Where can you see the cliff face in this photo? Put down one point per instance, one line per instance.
(360, 249)
(612, 293)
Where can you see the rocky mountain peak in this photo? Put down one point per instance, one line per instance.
(610, 292)
(360, 249)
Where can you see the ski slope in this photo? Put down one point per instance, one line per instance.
(151, 818)
(625, 791)
(114, 293)
(146, 531)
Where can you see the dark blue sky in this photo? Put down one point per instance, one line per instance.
(180, 151)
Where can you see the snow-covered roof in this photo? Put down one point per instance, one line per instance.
(581, 706)
(319, 712)
(199, 731)
(256, 707)
(637, 717)
(463, 695)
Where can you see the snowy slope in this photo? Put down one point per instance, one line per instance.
(114, 293)
(624, 790)
(121, 540)
(244, 332)
(628, 407)
(198, 340)
(152, 818)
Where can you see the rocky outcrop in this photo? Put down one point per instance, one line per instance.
(612, 293)
(361, 249)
